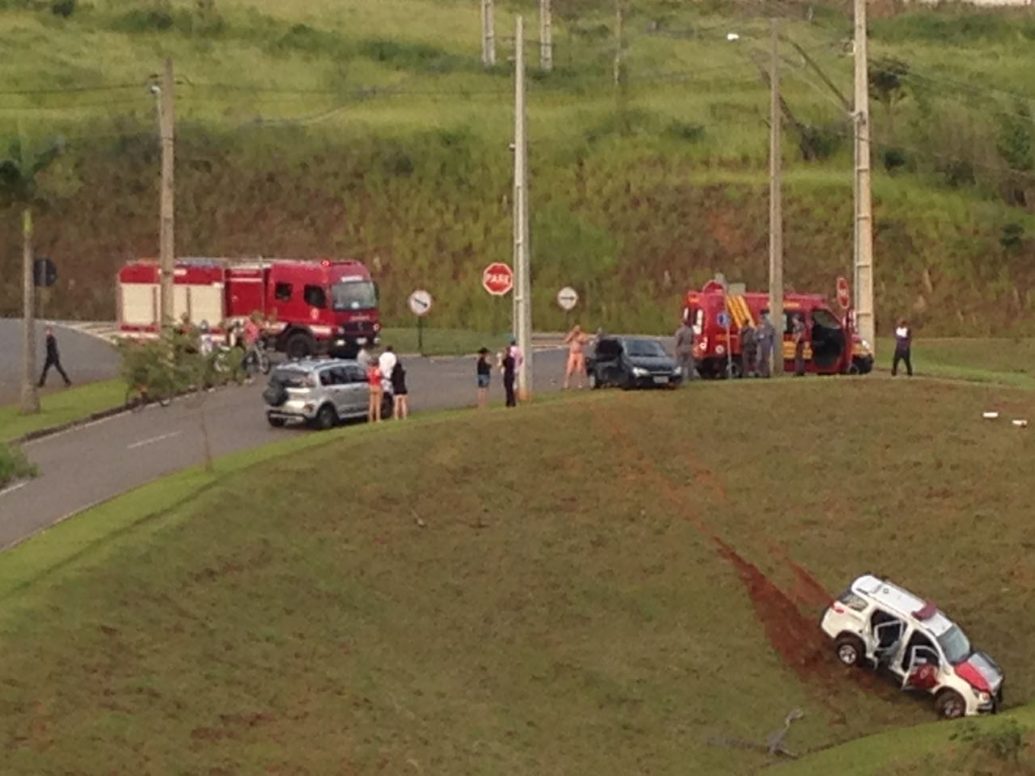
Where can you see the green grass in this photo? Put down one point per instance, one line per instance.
(1006, 361)
(633, 199)
(442, 342)
(937, 747)
(564, 607)
(62, 407)
(13, 465)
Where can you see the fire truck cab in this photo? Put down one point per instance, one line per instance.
(305, 306)
(832, 346)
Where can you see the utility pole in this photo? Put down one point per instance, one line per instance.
(775, 203)
(523, 284)
(863, 273)
(619, 41)
(545, 36)
(30, 398)
(167, 241)
(488, 34)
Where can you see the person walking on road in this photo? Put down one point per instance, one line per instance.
(903, 348)
(509, 368)
(576, 342)
(53, 360)
(765, 338)
(401, 408)
(483, 370)
(685, 350)
(748, 350)
(376, 393)
(798, 335)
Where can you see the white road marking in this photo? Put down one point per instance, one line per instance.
(152, 440)
(13, 488)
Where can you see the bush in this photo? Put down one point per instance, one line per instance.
(894, 159)
(173, 365)
(14, 465)
(63, 8)
(1003, 742)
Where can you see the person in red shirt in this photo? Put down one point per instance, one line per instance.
(374, 383)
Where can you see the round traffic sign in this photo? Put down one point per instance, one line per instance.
(498, 278)
(567, 298)
(844, 296)
(724, 319)
(420, 302)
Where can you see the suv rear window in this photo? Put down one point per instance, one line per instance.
(290, 378)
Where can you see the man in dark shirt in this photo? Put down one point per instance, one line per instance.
(903, 348)
(53, 359)
(765, 339)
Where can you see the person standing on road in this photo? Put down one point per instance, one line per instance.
(509, 369)
(798, 335)
(483, 370)
(748, 350)
(386, 363)
(766, 338)
(576, 342)
(903, 348)
(53, 359)
(376, 393)
(401, 408)
(685, 350)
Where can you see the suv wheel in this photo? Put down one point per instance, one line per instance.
(325, 418)
(849, 650)
(950, 704)
(594, 383)
(276, 422)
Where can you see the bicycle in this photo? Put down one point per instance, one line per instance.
(256, 360)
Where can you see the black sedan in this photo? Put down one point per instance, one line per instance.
(631, 362)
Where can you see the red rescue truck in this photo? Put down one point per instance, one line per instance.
(832, 346)
(306, 306)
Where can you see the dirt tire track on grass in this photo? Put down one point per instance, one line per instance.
(795, 637)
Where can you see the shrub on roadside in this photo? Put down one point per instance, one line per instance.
(160, 369)
(14, 465)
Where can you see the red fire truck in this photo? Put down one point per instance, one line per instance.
(832, 346)
(307, 306)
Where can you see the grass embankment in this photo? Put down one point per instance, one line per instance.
(370, 129)
(603, 586)
(442, 342)
(60, 407)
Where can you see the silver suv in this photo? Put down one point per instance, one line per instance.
(320, 393)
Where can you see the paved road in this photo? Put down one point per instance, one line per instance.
(93, 463)
(86, 358)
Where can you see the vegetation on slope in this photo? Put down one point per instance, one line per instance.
(648, 601)
(371, 130)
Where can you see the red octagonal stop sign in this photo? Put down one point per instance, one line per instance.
(498, 278)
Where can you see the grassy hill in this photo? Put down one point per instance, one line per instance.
(604, 584)
(371, 129)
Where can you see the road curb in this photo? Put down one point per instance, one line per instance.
(42, 433)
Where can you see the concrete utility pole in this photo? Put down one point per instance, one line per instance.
(488, 34)
(30, 398)
(863, 285)
(167, 122)
(522, 270)
(619, 42)
(545, 36)
(775, 204)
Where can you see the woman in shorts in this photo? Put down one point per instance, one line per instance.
(576, 342)
(376, 392)
(400, 408)
(483, 371)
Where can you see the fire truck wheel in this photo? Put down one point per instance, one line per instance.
(849, 650)
(299, 345)
(950, 704)
(853, 369)
(733, 371)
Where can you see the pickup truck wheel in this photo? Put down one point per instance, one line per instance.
(299, 345)
(849, 650)
(325, 418)
(276, 422)
(950, 704)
